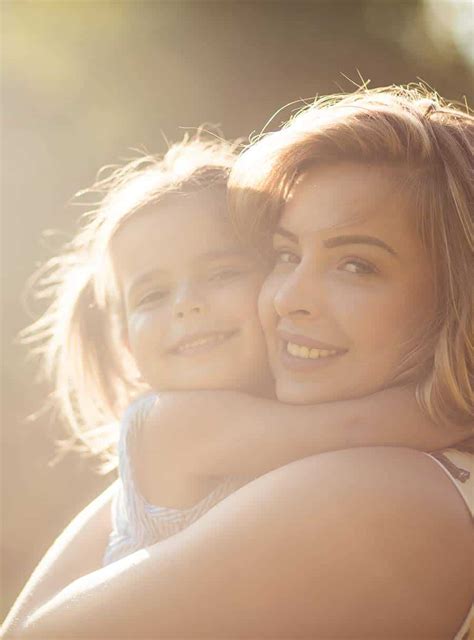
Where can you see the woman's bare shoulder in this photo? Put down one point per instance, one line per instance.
(385, 536)
(400, 474)
(391, 485)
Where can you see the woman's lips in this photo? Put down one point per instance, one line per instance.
(201, 342)
(301, 353)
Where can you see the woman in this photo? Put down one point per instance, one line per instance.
(367, 204)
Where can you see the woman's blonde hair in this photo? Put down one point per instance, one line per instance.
(79, 337)
(406, 127)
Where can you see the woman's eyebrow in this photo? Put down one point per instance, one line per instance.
(338, 241)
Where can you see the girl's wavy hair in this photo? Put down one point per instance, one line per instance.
(409, 128)
(78, 339)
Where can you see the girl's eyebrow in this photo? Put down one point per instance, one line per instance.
(225, 253)
(338, 241)
(148, 276)
(286, 234)
(144, 278)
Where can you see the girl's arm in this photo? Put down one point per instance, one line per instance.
(209, 433)
(76, 552)
(366, 543)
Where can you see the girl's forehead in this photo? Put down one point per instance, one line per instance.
(181, 231)
(202, 211)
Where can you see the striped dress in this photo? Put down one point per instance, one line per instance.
(135, 522)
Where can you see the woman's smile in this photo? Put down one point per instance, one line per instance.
(297, 358)
(351, 292)
(302, 353)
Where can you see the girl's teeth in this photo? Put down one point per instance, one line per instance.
(202, 341)
(299, 351)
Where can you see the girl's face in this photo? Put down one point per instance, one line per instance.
(190, 295)
(351, 291)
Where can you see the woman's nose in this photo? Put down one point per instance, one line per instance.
(188, 302)
(298, 294)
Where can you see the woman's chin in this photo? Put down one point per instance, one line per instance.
(298, 392)
(295, 393)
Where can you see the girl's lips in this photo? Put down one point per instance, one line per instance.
(201, 342)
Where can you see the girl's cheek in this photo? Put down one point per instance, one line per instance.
(242, 296)
(135, 323)
(144, 322)
(266, 308)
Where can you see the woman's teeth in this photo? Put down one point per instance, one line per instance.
(299, 351)
(200, 342)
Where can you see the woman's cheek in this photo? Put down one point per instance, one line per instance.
(359, 305)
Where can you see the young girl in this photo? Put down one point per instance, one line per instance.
(158, 293)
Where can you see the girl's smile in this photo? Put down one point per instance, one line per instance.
(201, 343)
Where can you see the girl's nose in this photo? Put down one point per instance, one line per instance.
(299, 294)
(185, 310)
(188, 302)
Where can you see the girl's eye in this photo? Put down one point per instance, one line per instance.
(357, 266)
(153, 296)
(286, 256)
(224, 274)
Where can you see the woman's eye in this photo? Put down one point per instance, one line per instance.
(357, 266)
(286, 256)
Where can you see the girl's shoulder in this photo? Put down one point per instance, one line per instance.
(132, 426)
(138, 410)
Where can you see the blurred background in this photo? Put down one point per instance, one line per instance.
(86, 82)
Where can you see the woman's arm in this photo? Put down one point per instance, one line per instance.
(367, 543)
(76, 552)
(209, 433)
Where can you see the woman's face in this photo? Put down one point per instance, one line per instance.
(351, 291)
